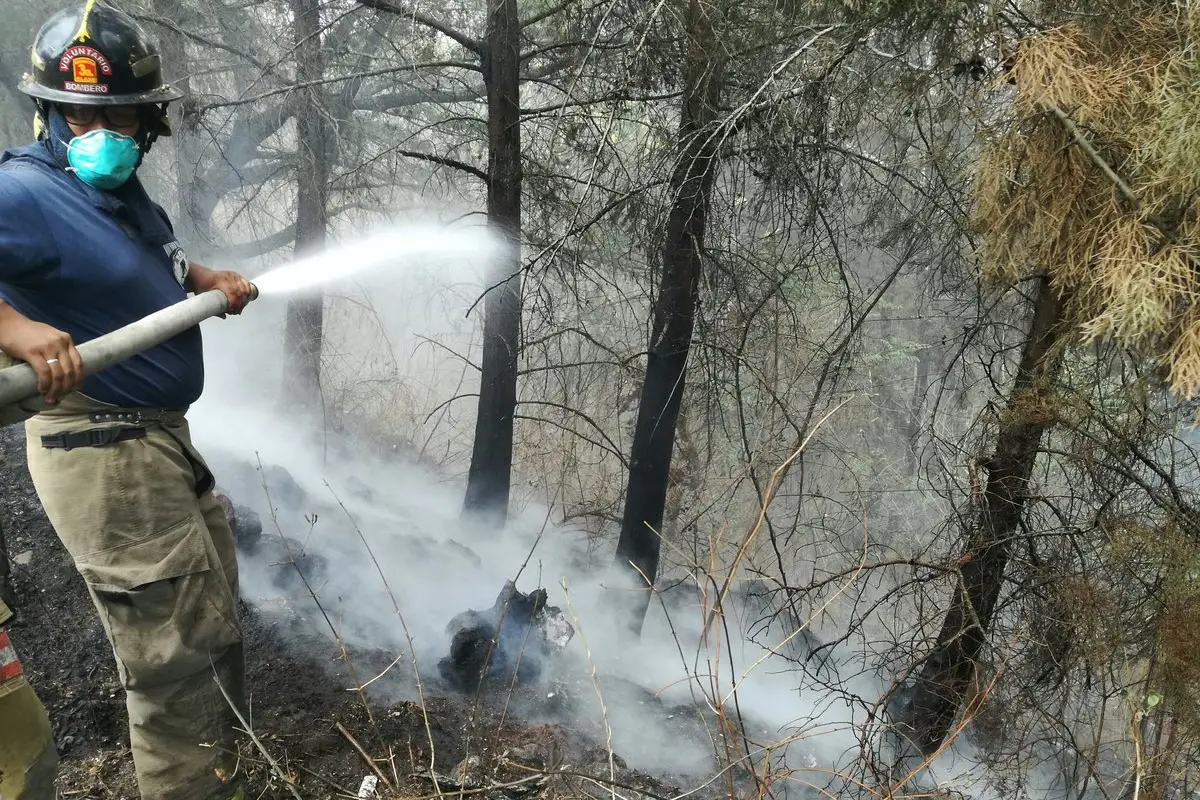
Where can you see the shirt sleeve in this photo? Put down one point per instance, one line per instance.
(166, 218)
(26, 248)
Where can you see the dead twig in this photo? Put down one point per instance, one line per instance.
(1090, 151)
(386, 670)
(612, 768)
(403, 625)
(254, 738)
(343, 649)
(370, 761)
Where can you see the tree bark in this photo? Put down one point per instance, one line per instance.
(489, 476)
(674, 310)
(303, 330)
(948, 674)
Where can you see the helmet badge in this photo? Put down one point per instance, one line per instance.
(85, 65)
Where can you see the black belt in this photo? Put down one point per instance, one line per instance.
(96, 437)
(136, 416)
(138, 419)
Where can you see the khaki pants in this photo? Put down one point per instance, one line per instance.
(160, 565)
(28, 759)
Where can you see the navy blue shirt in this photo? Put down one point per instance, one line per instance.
(87, 262)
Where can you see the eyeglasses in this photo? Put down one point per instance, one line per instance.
(117, 116)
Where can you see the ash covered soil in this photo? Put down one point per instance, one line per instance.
(305, 710)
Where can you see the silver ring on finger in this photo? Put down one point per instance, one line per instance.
(51, 360)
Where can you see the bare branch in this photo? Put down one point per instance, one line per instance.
(415, 96)
(1090, 151)
(262, 246)
(263, 66)
(591, 422)
(443, 161)
(547, 13)
(429, 22)
(339, 79)
(614, 97)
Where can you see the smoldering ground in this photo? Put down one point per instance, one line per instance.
(364, 549)
(388, 560)
(385, 553)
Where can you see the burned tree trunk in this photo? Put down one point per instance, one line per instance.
(946, 678)
(489, 477)
(674, 310)
(303, 330)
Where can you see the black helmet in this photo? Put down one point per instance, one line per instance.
(93, 54)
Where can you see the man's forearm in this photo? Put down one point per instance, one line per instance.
(9, 318)
(199, 278)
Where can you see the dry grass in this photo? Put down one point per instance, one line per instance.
(1095, 178)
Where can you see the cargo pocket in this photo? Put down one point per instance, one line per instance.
(167, 613)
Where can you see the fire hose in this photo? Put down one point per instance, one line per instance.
(19, 396)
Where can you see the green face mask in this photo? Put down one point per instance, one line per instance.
(102, 158)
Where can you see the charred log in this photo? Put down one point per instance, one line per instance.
(510, 641)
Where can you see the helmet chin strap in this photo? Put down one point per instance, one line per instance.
(41, 120)
(152, 123)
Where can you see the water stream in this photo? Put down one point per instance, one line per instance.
(403, 246)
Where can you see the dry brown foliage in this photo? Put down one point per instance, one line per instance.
(1162, 556)
(1178, 631)
(1096, 176)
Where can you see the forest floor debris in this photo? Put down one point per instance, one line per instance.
(447, 741)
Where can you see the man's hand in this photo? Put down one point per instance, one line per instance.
(236, 288)
(49, 351)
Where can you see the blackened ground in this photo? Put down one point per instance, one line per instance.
(299, 697)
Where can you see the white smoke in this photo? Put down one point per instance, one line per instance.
(365, 513)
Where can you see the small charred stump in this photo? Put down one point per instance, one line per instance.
(243, 521)
(287, 555)
(511, 640)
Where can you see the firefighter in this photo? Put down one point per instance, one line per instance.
(84, 251)
(28, 759)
